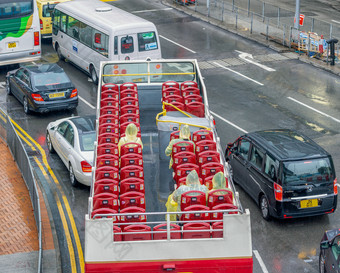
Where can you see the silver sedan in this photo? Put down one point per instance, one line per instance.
(73, 140)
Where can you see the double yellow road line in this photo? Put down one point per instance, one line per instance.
(51, 178)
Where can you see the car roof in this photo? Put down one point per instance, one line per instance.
(84, 124)
(43, 68)
(285, 144)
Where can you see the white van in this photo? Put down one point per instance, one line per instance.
(88, 32)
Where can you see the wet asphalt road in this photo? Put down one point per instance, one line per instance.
(284, 246)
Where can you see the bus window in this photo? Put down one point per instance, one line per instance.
(85, 34)
(63, 22)
(56, 21)
(147, 41)
(116, 45)
(126, 44)
(48, 9)
(73, 27)
(12, 9)
(101, 42)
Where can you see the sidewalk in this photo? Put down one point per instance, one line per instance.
(19, 244)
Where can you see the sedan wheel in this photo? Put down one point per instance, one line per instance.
(26, 107)
(264, 206)
(322, 261)
(73, 178)
(8, 88)
(49, 143)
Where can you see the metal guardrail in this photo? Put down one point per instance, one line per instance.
(9, 135)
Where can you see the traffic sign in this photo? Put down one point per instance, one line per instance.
(302, 17)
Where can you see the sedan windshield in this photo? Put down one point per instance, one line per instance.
(315, 170)
(51, 80)
(86, 141)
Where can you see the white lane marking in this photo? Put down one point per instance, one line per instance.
(177, 44)
(2, 84)
(315, 110)
(258, 257)
(336, 21)
(87, 103)
(249, 58)
(229, 122)
(150, 10)
(238, 73)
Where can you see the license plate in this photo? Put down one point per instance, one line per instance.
(12, 45)
(56, 95)
(310, 203)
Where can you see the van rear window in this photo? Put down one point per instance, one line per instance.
(315, 170)
(47, 10)
(147, 41)
(127, 45)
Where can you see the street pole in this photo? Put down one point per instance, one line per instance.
(297, 15)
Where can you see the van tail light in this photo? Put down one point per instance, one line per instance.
(335, 185)
(278, 192)
(36, 38)
(41, 25)
(37, 97)
(74, 93)
(86, 167)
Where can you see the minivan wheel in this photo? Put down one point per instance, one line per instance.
(60, 56)
(322, 268)
(93, 74)
(26, 107)
(264, 206)
(74, 181)
(8, 88)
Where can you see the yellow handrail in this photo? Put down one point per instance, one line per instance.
(148, 74)
(166, 103)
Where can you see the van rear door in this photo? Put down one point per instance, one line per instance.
(127, 47)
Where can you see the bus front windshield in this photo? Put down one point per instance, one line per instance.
(15, 9)
(315, 170)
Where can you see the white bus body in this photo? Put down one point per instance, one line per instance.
(88, 32)
(19, 32)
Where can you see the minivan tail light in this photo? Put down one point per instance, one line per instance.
(278, 192)
(41, 25)
(36, 38)
(37, 97)
(74, 93)
(335, 183)
(86, 167)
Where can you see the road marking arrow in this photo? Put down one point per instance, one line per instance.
(249, 58)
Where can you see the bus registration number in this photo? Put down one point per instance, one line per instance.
(56, 95)
(12, 45)
(310, 203)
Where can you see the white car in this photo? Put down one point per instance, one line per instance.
(73, 140)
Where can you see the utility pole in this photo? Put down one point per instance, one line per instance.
(297, 15)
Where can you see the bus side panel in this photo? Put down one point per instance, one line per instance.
(241, 265)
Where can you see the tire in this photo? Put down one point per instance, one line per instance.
(60, 56)
(49, 143)
(264, 206)
(322, 268)
(93, 74)
(73, 179)
(26, 106)
(8, 88)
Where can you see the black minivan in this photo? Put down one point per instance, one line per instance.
(286, 173)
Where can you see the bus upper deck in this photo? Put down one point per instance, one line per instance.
(127, 227)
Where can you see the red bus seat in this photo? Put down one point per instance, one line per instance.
(111, 110)
(129, 118)
(171, 91)
(205, 145)
(212, 168)
(190, 91)
(207, 157)
(217, 233)
(159, 232)
(182, 146)
(174, 135)
(199, 230)
(193, 98)
(183, 180)
(131, 171)
(107, 160)
(108, 118)
(107, 148)
(132, 199)
(128, 85)
(105, 211)
(129, 109)
(105, 200)
(129, 101)
(108, 128)
(129, 93)
(179, 105)
(170, 84)
(109, 102)
(131, 159)
(106, 173)
(117, 236)
(106, 186)
(125, 124)
(202, 135)
(208, 182)
(190, 198)
(184, 169)
(110, 86)
(131, 148)
(220, 196)
(132, 184)
(108, 138)
(196, 108)
(197, 216)
(135, 235)
(187, 84)
(132, 218)
(182, 158)
(173, 98)
(219, 215)
(114, 94)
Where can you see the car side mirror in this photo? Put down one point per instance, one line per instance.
(324, 245)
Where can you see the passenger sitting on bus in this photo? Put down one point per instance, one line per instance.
(130, 136)
(219, 183)
(184, 135)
